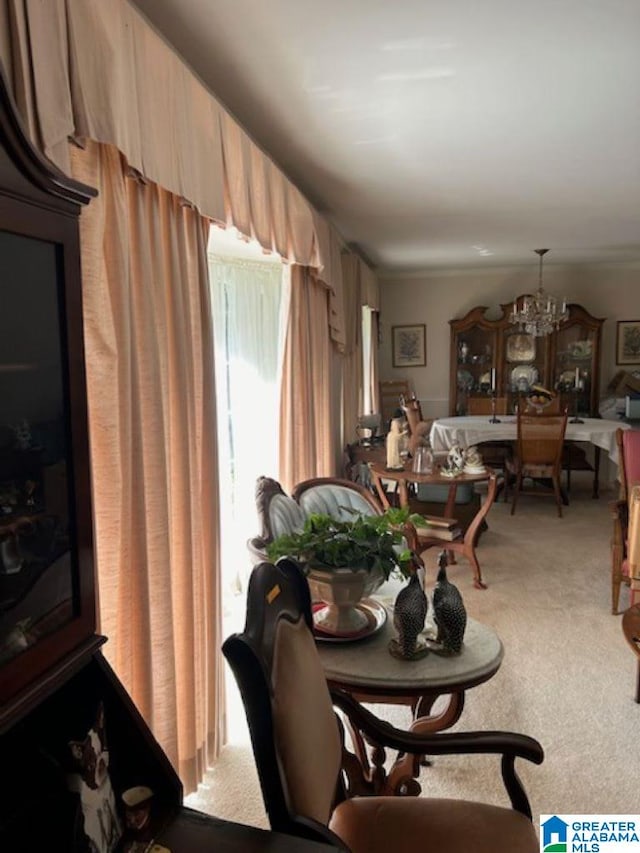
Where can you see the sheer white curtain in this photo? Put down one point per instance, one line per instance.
(248, 301)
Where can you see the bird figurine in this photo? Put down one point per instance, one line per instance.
(409, 614)
(449, 612)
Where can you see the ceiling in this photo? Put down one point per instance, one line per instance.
(438, 133)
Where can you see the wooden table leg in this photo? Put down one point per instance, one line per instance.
(470, 537)
(401, 779)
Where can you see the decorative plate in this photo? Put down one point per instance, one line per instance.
(521, 347)
(524, 376)
(375, 612)
(581, 349)
(485, 380)
(465, 380)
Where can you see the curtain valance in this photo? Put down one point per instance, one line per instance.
(97, 69)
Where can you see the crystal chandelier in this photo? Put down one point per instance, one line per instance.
(541, 313)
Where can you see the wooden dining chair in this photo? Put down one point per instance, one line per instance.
(391, 393)
(538, 456)
(628, 443)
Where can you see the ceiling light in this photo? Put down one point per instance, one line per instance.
(539, 314)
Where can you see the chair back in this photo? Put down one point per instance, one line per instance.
(628, 441)
(482, 405)
(413, 412)
(277, 514)
(294, 731)
(540, 439)
(391, 392)
(341, 499)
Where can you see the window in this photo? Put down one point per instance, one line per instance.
(248, 297)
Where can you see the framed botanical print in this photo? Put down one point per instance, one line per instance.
(628, 342)
(409, 346)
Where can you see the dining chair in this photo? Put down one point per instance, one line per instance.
(313, 785)
(628, 443)
(391, 392)
(538, 456)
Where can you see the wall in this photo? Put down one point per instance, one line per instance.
(434, 298)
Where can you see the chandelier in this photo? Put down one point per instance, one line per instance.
(541, 313)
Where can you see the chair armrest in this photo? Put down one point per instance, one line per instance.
(507, 744)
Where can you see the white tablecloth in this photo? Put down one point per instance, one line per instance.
(473, 429)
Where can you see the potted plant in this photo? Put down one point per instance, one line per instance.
(346, 561)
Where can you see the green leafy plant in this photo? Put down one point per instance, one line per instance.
(371, 542)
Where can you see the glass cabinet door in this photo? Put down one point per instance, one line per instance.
(474, 359)
(575, 373)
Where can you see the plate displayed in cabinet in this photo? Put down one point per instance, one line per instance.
(524, 376)
(465, 380)
(521, 347)
(580, 349)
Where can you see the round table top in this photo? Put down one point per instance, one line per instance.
(435, 476)
(368, 666)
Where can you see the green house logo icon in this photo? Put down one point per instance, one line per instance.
(554, 835)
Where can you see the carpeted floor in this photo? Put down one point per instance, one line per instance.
(567, 678)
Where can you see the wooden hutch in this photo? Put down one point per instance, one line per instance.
(566, 361)
(59, 698)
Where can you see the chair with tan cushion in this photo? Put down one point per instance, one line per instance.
(628, 442)
(313, 786)
(538, 455)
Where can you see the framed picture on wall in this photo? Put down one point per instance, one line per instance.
(409, 346)
(628, 342)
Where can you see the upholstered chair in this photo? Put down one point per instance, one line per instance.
(335, 497)
(313, 786)
(277, 512)
(628, 442)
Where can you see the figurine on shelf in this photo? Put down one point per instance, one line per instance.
(464, 352)
(139, 822)
(91, 780)
(396, 444)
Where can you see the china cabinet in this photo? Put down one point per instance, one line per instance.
(80, 768)
(492, 356)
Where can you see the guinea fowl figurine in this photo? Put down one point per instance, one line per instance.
(449, 612)
(409, 614)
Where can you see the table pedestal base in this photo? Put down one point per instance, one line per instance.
(401, 779)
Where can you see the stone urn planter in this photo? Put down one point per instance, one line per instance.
(342, 590)
(345, 562)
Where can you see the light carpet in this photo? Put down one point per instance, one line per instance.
(567, 677)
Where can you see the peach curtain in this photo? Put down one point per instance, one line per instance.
(151, 394)
(306, 410)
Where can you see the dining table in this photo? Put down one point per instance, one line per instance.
(470, 430)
